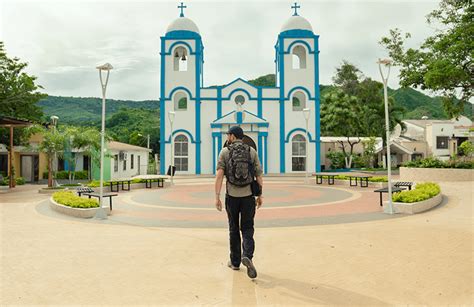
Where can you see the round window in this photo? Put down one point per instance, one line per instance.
(239, 99)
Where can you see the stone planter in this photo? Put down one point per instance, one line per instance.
(412, 208)
(76, 212)
(418, 174)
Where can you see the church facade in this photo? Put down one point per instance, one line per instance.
(194, 119)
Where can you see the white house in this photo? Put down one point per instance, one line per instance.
(272, 117)
(428, 138)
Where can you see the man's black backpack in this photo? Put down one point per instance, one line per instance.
(239, 167)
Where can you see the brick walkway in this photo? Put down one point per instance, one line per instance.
(424, 259)
(287, 203)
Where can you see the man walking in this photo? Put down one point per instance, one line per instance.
(239, 163)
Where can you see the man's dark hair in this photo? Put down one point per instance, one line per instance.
(236, 131)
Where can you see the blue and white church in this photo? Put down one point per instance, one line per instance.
(195, 119)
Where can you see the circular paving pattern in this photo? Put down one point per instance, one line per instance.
(286, 204)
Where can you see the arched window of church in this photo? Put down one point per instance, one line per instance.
(298, 101)
(180, 59)
(299, 57)
(298, 153)
(181, 153)
(180, 101)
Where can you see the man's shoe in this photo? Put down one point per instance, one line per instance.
(251, 271)
(230, 265)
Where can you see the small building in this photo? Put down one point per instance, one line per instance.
(123, 161)
(428, 138)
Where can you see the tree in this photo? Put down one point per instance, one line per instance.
(348, 77)
(444, 61)
(372, 110)
(369, 152)
(53, 146)
(86, 140)
(18, 94)
(339, 116)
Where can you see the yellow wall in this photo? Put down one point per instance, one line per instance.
(43, 160)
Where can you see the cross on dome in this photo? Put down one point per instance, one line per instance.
(182, 6)
(296, 7)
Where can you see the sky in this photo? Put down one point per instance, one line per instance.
(63, 41)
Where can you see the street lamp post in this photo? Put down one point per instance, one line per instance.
(54, 122)
(387, 63)
(100, 214)
(171, 115)
(306, 113)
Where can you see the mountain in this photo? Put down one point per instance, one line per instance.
(87, 111)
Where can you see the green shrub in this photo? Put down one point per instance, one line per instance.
(431, 162)
(422, 191)
(20, 180)
(70, 199)
(378, 179)
(336, 158)
(96, 183)
(81, 175)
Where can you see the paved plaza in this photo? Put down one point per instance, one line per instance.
(314, 245)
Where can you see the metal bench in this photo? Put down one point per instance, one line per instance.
(361, 177)
(385, 190)
(116, 183)
(404, 184)
(330, 176)
(149, 179)
(105, 195)
(84, 190)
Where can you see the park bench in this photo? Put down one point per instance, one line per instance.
(361, 177)
(320, 176)
(117, 182)
(82, 190)
(403, 184)
(149, 179)
(385, 190)
(105, 195)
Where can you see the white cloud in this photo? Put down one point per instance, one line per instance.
(63, 41)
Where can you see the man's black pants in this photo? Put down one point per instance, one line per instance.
(240, 212)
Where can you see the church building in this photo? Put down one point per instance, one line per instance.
(195, 119)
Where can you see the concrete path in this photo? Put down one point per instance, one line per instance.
(420, 259)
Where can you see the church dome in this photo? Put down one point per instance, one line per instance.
(296, 22)
(182, 24)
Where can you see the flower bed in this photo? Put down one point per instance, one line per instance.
(68, 198)
(423, 197)
(68, 203)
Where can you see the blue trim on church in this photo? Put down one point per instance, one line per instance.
(281, 84)
(317, 106)
(303, 132)
(162, 109)
(181, 131)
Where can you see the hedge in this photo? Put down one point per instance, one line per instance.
(6, 181)
(70, 199)
(79, 175)
(96, 183)
(422, 191)
(432, 162)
